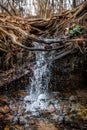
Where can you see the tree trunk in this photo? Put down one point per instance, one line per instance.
(2, 8)
(61, 6)
(74, 4)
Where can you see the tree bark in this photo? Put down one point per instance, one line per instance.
(74, 4)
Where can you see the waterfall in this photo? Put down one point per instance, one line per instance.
(39, 83)
(40, 78)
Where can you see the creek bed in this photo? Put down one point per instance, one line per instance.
(50, 111)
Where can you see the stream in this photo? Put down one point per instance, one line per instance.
(38, 108)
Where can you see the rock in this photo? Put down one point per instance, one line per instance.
(72, 98)
(5, 109)
(22, 120)
(45, 113)
(54, 116)
(26, 127)
(51, 108)
(1, 116)
(9, 118)
(43, 96)
(15, 120)
(61, 119)
(67, 119)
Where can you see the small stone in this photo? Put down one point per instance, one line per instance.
(22, 121)
(9, 118)
(67, 119)
(5, 109)
(15, 120)
(51, 108)
(72, 98)
(54, 116)
(61, 119)
(26, 126)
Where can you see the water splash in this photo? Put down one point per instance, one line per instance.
(39, 83)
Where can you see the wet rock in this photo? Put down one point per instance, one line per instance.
(72, 98)
(67, 119)
(45, 113)
(51, 102)
(9, 118)
(73, 109)
(43, 97)
(26, 116)
(26, 127)
(61, 119)
(22, 120)
(36, 114)
(15, 120)
(5, 109)
(51, 108)
(54, 116)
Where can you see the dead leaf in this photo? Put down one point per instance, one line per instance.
(7, 127)
(3, 100)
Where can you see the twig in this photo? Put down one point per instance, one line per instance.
(76, 40)
(6, 10)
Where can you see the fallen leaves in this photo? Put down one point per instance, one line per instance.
(3, 100)
(5, 109)
(7, 127)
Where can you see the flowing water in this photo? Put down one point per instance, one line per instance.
(39, 83)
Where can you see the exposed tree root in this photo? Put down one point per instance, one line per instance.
(17, 35)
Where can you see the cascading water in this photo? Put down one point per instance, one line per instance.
(39, 83)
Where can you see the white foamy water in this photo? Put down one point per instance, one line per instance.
(39, 84)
